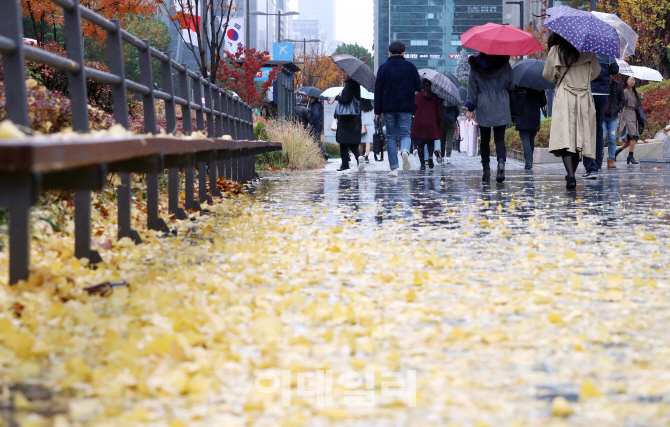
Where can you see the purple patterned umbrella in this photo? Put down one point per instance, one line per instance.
(583, 30)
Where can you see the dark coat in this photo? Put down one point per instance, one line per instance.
(535, 100)
(490, 80)
(349, 127)
(617, 100)
(315, 119)
(608, 67)
(397, 82)
(427, 123)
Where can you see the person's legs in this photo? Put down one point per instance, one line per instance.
(451, 131)
(391, 120)
(526, 143)
(367, 149)
(499, 139)
(610, 127)
(430, 145)
(404, 125)
(570, 161)
(443, 138)
(485, 150)
(593, 164)
(421, 144)
(344, 154)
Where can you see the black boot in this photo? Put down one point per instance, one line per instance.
(423, 167)
(617, 152)
(430, 163)
(630, 159)
(486, 176)
(343, 168)
(570, 182)
(500, 177)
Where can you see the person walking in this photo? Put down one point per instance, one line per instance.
(348, 133)
(629, 124)
(426, 127)
(397, 82)
(529, 124)
(315, 122)
(448, 130)
(600, 88)
(573, 123)
(490, 80)
(368, 119)
(615, 104)
(300, 112)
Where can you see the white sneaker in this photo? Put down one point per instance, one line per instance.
(405, 161)
(361, 163)
(394, 172)
(448, 160)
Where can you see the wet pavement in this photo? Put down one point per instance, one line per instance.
(520, 303)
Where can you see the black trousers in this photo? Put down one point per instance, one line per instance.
(344, 153)
(499, 138)
(421, 144)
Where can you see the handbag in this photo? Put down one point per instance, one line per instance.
(364, 130)
(517, 102)
(378, 139)
(469, 136)
(641, 119)
(333, 127)
(351, 109)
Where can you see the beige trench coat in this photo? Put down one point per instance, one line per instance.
(573, 121)
(629, 114)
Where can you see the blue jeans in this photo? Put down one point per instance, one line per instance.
(592, 165)
(610, 128)
(398, 127)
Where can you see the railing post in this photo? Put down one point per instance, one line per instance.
(171, 124)
(146, 77)
(199, 116)
(189, 174)
(231, 115)
(14, 64)
(79, 107)
(224, 109)
(115, 51)
(208, 104)
(216, 94)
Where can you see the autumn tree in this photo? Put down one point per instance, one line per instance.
(319, 70)
(651, 21)
(238, 71)
(45, 15)
(202, 25)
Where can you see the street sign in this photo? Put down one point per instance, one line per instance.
(262, 75)
(282, 51)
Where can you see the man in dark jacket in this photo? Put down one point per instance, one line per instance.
(397, 82)
(529, 123)
(600, 88)
(615, 103)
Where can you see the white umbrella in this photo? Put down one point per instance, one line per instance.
(332, 92)
(644, 73)
(624, 67)
(627, 36)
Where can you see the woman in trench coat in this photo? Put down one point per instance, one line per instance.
(629, 125)
(573, 122)
(349, 128)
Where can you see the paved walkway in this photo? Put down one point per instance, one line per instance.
(462, 162)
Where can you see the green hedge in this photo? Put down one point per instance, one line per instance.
(512, 139)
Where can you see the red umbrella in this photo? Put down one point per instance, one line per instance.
(496, 39)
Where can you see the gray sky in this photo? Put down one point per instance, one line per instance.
(353, 21)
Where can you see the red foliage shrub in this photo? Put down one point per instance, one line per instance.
(239, 77)
(656, 106)
(50, 112)
(99, 94)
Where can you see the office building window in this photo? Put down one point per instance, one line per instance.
(419, 43)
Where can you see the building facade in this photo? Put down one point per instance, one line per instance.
(322, 11)
(308, 29)
(430, 29)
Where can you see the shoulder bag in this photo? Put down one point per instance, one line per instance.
(351, 109)
(641, 119)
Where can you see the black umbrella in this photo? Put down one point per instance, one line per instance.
(528, 73)
(312, 91)
(357, 70)
(462, 90)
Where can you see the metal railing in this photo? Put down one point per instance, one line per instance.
(226, 115)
